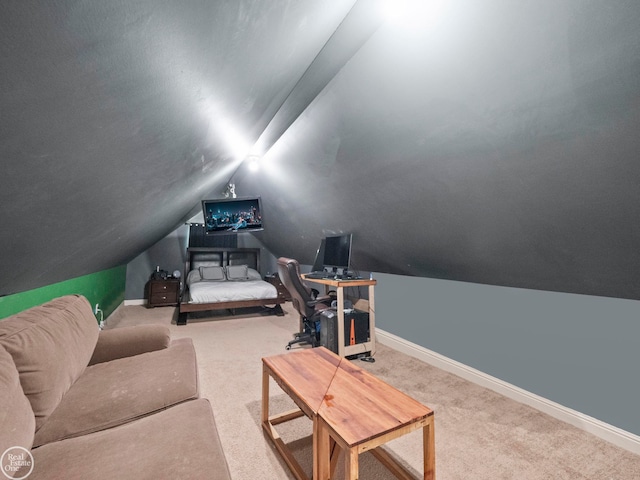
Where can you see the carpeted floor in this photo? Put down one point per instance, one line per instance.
(480, 435)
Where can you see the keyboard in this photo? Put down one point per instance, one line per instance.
(329, 276)
(318, 275)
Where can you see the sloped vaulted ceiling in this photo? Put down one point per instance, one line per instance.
(498, 144)
(118, 117)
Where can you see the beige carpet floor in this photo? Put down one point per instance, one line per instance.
(480, 435)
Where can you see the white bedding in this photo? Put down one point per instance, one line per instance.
(204, 291)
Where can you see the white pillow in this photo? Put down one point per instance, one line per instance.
(212, 273)
(193, 277)
(253, 274)
(237, 272)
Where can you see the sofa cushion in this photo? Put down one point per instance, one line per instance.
(180, 442)
(17, 423)
(128, 341)
(116, 392)
(51, 346)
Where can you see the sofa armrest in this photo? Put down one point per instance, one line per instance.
(129, 341)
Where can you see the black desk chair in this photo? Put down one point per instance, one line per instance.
(305, 300)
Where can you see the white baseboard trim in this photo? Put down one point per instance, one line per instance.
(140, 301)
(603, 430)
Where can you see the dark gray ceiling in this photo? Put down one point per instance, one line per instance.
(499, 145)
(115, 118)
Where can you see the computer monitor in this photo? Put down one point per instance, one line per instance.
(318, 264)
(337, 252)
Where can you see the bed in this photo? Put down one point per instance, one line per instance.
(225, 278)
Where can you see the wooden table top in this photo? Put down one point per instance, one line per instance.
(360, 406)
(305, 374)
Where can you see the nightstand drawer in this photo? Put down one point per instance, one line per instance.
(163, 287)
(163, 298)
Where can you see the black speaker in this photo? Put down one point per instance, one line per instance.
(356, 328)
(328, 332)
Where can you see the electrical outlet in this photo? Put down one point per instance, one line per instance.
(97, 312)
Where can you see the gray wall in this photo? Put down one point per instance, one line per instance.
(577, 350)
(169, 254)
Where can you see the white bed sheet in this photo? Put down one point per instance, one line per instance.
(229, 291)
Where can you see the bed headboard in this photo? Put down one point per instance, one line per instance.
(216, 256)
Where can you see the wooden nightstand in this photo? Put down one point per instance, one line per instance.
(274, 280)
(162, 293)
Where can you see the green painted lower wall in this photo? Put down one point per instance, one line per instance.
(105, 288)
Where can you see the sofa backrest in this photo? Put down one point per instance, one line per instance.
(17, 422)
(51, 346)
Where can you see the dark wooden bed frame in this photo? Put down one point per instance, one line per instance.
(209, 256)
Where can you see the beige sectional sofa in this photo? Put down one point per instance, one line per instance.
(81, 403)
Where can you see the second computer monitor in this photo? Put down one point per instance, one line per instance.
(337, 252)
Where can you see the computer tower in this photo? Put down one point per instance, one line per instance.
(356, 328)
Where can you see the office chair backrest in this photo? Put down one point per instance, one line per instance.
(289, 273)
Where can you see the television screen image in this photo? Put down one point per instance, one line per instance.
(232, 215)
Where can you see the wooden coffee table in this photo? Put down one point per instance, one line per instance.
(348, 406)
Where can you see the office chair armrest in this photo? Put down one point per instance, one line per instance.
(328, 298)
(323, 300)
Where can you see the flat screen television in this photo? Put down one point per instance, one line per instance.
(232, 215)
(337, 252)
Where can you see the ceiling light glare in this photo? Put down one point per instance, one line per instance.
(224, 130)
(238, 145)
(253, 162)
(411, 15)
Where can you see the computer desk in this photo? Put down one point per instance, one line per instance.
(340, 285)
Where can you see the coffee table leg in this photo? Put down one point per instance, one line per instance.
(265, 395)
(429, 450)
(321, 450)
(351, 463)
